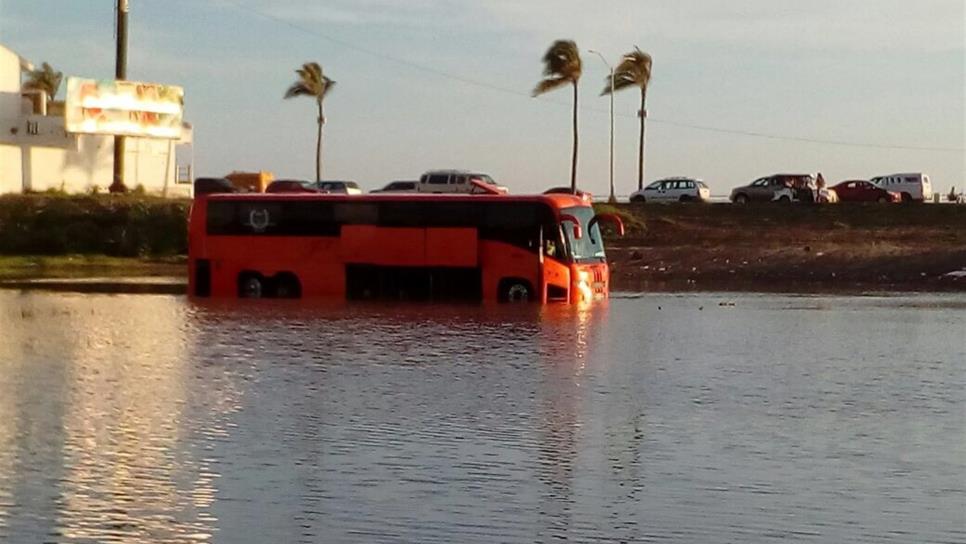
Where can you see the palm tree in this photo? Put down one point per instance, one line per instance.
(46, 79)
(634, 71)
(561, 65)
(314, 84)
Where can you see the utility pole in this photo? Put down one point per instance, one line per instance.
(613, 198)
(120, 73)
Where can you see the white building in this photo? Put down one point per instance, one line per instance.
(37, 153)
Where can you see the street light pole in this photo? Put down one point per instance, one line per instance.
(613, 198)
(120, 72)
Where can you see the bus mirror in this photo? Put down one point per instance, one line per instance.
(613, 219)
(578, 232)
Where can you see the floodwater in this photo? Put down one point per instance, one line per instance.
(659, 418)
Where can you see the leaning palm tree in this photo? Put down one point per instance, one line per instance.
(314, 84)
(45, 79)
(634, 71)
(561, 65)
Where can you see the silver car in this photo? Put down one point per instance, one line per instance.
(674, 190)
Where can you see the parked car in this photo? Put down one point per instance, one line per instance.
(800, 187)
(339, 187)
(673, 190)
(291, 186)
(459, 181)
(911, 187)
(859, 190)
(399, 187)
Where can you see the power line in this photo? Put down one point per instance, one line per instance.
(516, 92)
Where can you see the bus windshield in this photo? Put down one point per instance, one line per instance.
(590, 247)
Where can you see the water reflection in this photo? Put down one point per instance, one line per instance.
(132, 419)
(95, 392)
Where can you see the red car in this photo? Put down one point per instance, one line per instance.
(292, 186)
(860, 190)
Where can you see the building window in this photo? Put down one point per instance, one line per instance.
(33, 127)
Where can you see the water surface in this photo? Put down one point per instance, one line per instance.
(660, 418)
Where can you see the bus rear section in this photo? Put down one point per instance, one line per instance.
(401, 247)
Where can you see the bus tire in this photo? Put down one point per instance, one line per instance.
(251, 285)
(515, 290)
(287, 285)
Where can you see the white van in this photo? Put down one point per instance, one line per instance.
(458, 181)
(912, 187)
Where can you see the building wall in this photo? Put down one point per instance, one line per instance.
(11, 173)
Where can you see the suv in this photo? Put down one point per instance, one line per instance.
(673, 190)
(911, 187)
(459, 181)
(399, 187)
(339, 187)
(776, 188)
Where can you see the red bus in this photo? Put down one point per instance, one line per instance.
(396, 246)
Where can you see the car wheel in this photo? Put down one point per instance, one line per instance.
(515, 290)
(785, 200)
(251, 285)
(906, 197)
(684, 198)
(741, 199)
(638, 199)
(882, 200)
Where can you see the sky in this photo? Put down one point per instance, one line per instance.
(740, 88)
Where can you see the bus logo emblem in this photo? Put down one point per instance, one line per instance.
(259, 220)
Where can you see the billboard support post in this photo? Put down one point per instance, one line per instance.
(120, 73)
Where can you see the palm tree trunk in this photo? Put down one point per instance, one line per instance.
(573, 162)
(640, 152)
(318, 146)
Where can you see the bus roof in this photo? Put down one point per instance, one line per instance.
(557, 201)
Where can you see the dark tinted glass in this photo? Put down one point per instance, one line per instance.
(514, 222)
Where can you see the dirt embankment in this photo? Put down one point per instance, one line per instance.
(775, 247)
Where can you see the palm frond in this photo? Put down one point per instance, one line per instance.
(298, 89)
(311, 82)
(562, 59)
(550, 84)
(45, 79)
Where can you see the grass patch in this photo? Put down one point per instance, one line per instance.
(86, 266)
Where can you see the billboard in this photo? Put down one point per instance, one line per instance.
(123, 108)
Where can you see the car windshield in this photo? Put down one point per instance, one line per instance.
(590, 247)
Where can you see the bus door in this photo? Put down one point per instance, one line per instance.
(554, 270)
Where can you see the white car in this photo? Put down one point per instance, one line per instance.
(673, 190)
(459, 181)
(912, 187)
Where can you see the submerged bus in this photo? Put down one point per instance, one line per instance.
(398, 246)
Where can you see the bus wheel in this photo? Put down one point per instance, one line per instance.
(251, 285)
(287, 286)
(515, 290)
